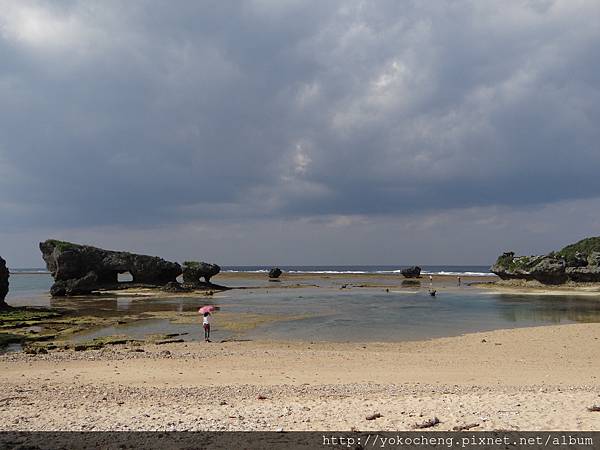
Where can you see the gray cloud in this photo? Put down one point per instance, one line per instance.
(142, 113)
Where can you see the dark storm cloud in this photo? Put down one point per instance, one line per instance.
(154, 112)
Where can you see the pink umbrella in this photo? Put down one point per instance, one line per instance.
(206, 309)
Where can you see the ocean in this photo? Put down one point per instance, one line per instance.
(387, 269)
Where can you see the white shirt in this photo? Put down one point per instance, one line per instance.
(206, 320)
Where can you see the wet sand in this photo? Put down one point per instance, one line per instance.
(540, 378)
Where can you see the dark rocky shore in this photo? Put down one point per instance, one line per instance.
(411, 272)
(275, 272)
(4, 274)
(83, 269)
(575, 263)
(194, 271)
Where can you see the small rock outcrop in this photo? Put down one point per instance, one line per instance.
(4, 274)
(193, 271)
(82, 269)
(275, 272)
(579, 262)
(174, 286)
(411, 272)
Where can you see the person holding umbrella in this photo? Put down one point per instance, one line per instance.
(206, 320)
(206, 325)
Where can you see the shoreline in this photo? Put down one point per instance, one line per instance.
(489, 282)
(549, 337)
(538, 378)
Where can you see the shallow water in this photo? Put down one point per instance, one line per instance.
(376, 315)
(143, 328)
(331, 314)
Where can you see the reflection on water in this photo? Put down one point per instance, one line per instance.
(550, 309)
(365, 314)
(118, 305)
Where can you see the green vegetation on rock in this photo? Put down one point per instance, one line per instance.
(19, 325)
(513, 263)
(32, 325)
(505, 260)
(62, 245)
(25, 317)
(191, 264)
(585, 246)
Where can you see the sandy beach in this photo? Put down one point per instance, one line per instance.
(540, 378)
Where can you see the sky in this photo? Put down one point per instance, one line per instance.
(300, 132)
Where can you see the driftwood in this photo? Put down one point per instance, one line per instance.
(465, 427)
(427, 424)
(594, 408)
(373, 416)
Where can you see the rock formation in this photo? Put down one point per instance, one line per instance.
(82, 269)
(411, 272)
(579, 262)
(4, 274)
(275, 272)
(174, 287)
(194, 270)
